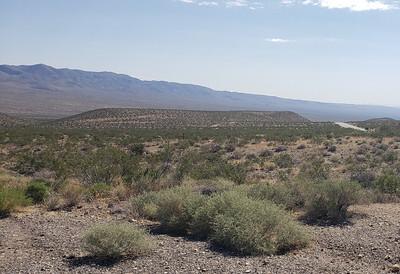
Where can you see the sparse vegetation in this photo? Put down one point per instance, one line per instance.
(314, 168)
(250, 191)
(101, 166)
(283, 160)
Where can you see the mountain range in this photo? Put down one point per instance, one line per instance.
(41, 91)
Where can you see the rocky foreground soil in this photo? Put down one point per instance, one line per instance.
(37, 241)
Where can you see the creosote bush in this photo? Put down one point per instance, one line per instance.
(98, 190)
(145, 205)
(176, 207)
(72, 194)
(290, 195)
(252, 227)
(314, 168)
(38, 191)
(101, 166)
(388, 182)
(53, 202)
(284, 160)
(113, 241)
(11, 199)
(230, 219)
(173, 207)
(205, 165)
(362, 174)
(328, 202)
(137, 149)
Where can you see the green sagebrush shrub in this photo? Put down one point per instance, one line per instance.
(205, 166)
(388, 182)
(101, 166)
(11, 199)
(230, 219)
(328, 201)
(112, 241)
(290, 195)
(250, 227)
(173, 207)
(98, 191)
(38, 191)
(284, 160)
(314, 168)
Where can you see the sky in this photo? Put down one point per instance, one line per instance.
(325, 50)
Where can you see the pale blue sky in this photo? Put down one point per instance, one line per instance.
(327, 50)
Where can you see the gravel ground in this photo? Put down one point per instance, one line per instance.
(48, 242)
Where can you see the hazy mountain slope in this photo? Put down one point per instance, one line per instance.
(43, 91)
(9, 121)
(163, 118)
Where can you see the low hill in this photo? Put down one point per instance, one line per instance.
(376, 122)
(40, 91)
(381, 126)
(380, 120)
(163, 118)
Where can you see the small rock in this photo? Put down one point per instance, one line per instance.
(395, 268)
(117, 210)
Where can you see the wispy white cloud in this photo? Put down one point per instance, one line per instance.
(279, 40)
(305, 40)
(353, 5)
(208, 3)
(250, 4)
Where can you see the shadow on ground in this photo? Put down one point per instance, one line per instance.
(75, 262)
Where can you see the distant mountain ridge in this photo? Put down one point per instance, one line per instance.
(42, 91)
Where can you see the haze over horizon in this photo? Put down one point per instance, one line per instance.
(320, 50)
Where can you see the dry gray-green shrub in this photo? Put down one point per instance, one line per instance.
(314, 168)
(284, 160)
(173, 207)
(246, 226)
(328, 201)
(113, 241)
(11, 198)
(388, 182)
(53, 202)
(290, 195)
(72, 194)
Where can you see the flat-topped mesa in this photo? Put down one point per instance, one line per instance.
(171, 118)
